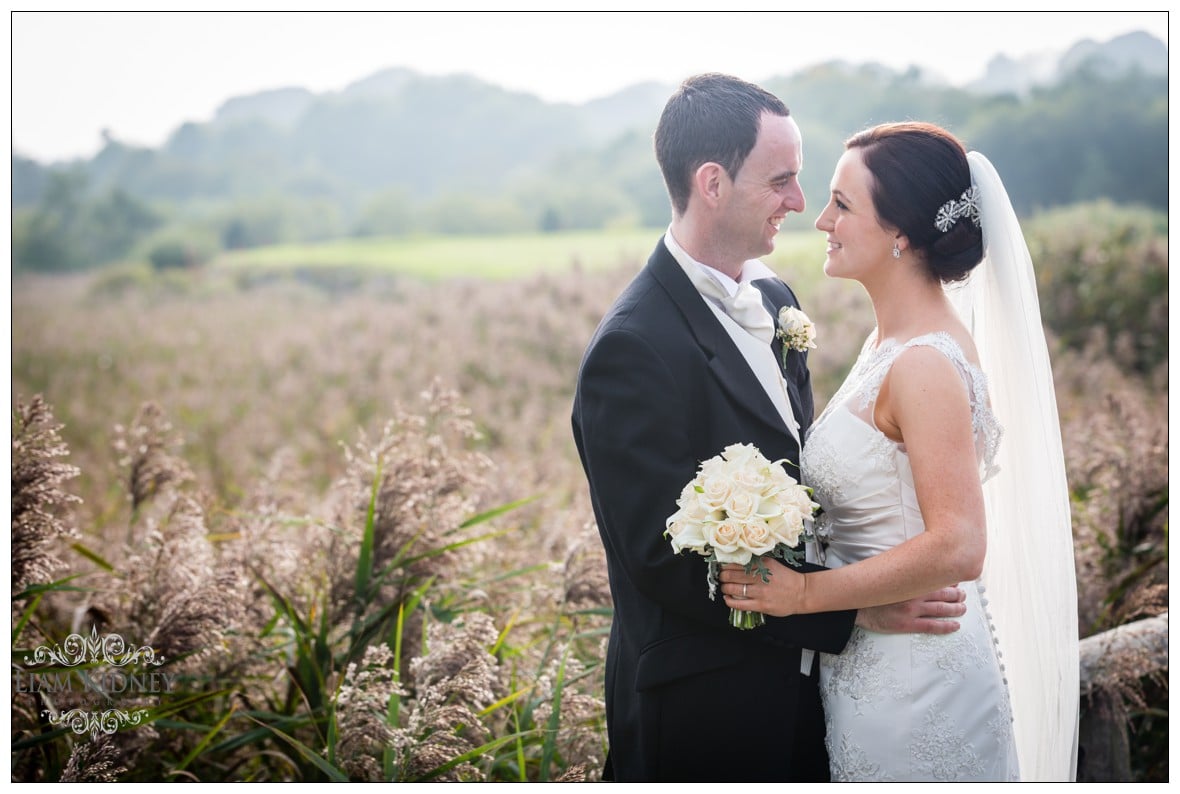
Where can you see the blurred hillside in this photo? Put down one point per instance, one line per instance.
(398, 152)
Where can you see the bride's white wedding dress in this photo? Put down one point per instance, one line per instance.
(903, 706)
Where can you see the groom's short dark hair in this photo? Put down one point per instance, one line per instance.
(712, 118)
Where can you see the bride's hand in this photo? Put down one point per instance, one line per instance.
(782, 595)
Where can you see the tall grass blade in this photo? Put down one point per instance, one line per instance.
(495, 744)
(364, 563)
(331, 772)
(25, 617)
(196, 751)
(93, 556)
(549, 748)
(488, 515)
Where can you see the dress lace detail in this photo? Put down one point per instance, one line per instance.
(903, 706)
(854, 763)
(940, 748)
(881, 450)
(823, 468)
(955, 654)
(863, 675)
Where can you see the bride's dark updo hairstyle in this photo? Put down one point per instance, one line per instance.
(917, 168)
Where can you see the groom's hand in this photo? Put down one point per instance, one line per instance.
(928, 614)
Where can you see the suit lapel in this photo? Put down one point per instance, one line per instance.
(768, 287)
(726, 362)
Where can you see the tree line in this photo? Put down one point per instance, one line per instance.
(402, 154)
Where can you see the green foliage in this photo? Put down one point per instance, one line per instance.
(473, 214)
(835, 100)
(176, 249)
(49, 237)
(1084, 139)
(400, 154)
(389, 212)
(29, 180)
(270, 220)
(1103, 269)
(1149, 736)
(70, 230)
(618, 184)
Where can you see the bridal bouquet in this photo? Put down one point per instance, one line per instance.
(739, 508)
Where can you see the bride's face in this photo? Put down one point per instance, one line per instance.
(857, 243)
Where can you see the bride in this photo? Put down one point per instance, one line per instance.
(919, 491)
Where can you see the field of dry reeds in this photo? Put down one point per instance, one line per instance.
(350, 519)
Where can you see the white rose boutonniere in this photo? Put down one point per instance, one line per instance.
(796, 330)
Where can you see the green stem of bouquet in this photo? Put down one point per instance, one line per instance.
(741, 619)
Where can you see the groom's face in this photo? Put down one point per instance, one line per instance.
(765, 188)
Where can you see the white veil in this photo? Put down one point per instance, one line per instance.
(1029, 575)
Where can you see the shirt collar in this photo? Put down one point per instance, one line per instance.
(752, 269)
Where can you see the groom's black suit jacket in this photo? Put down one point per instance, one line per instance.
(661, 388)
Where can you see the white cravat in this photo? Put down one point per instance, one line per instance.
(740, 300)
(745, 306)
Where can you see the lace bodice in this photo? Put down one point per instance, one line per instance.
(844, 448)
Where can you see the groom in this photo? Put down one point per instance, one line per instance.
(685, 363)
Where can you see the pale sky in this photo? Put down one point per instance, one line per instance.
(141, 74)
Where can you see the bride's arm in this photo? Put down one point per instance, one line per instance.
(923, 402)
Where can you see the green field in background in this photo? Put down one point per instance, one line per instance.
(502, 256)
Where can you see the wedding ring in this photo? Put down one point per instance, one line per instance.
(744, 587)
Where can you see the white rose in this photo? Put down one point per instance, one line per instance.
(753, 478)
(741, 505)
(697, 510)
(788, 526)
(796, 328)
(713, 467)
(741, 454)
(685, 535)
(690, 504)
(725, 538)
(779, 475)
(796, 498)
(758, 538)
(715, 491)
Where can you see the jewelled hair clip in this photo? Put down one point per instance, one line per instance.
(967, 206)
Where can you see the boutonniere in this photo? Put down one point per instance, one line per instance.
(796, 330)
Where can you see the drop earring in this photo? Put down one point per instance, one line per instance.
(896, 252)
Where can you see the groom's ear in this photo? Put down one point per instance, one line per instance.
(709, 181)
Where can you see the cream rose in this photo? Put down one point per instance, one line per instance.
(758, 538)
(741, 505)
(788, 526)
(753, 478)
(725, 538)
(741, 455)
(795, 329)
(715, 491)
